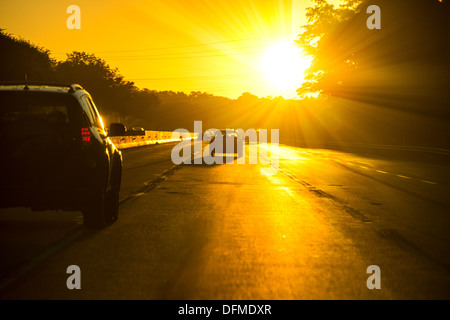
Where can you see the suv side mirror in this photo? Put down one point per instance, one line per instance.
(116, 129)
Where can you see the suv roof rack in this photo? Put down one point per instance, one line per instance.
(72, 87)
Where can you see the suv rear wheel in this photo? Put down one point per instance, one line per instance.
(102, 209)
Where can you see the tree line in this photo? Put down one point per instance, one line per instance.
(121, 100)
(389, 86)
(403, 65)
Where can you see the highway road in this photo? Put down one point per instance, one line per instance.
(309, 231)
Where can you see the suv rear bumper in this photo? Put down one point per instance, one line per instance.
(72, 199)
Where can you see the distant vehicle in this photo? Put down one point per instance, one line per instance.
(117, 130)
(135, 131)
(228, 138)
(56, 154)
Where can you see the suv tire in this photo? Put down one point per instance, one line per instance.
(102, 209)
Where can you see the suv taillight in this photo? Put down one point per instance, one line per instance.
(85, 135)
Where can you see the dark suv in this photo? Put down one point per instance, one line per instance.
(56, 154)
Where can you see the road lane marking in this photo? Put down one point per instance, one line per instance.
(288, 191)
(343, 162)
(428, 182)
(78, 220)
(42, 256)
(351, 211)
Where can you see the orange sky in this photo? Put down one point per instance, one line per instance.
(215, 46)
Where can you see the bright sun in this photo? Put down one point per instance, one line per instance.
(283, 65)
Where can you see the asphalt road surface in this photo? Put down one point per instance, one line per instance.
(309, 231)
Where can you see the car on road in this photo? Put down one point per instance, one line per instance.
(56, 154)
(135, 131)
(117, 130)
(230, 141)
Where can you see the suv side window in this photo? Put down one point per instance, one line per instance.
(88, 111)
(98, 121)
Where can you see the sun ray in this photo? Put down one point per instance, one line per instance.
(283, 66)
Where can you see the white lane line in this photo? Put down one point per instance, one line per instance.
(45, 254)
(288, 191)
(379, 171)
(428, 182)
(78, 220)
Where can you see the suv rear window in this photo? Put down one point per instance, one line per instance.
(54, 108)
(38, 118)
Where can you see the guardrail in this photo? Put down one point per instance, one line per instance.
(150, 137)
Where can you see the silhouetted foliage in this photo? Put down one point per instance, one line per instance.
(355, 67)
(405, 64)
(115, 97)
(111, 92)
(19, 57)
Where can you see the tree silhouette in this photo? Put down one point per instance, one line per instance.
(405, 64)
(391, 69)
(19, 57)
(108, 87)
